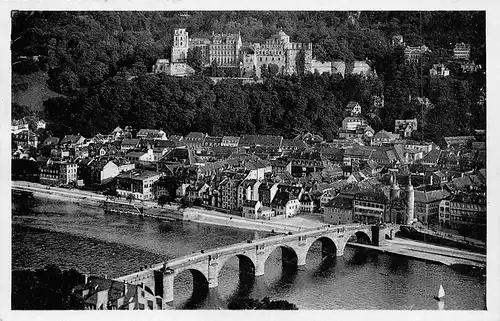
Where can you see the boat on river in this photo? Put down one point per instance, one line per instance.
(441, 293)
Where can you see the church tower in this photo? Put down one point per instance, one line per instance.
(180, 45)
(411, 202)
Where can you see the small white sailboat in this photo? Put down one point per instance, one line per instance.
(441, 293)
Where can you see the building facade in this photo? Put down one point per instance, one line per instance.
(461, 51)
(138, 183)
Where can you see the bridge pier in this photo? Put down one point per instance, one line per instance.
(340, 244)
(259, 267)
(168, 289)
(301, 261)
(213, 272)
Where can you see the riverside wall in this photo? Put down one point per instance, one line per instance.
(168, 212)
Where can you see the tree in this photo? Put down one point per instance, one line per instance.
(130, 197)
(163, 199)
(46, 289)
(274, 69)
(195, 59)
(264, 304)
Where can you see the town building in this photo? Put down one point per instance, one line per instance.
(138, 183)
(413, 55)
(353, 108)
(267, 191)
(404, 127)
(464, 212)
(56, 173)
(248, 190)
(427, 205)
(397, 41)
(138, 157)
(439, 70)
(41, 124)
(194, 140)
(25, 139)
(305, 163)
(384, 137)
(197, 191)
(469, 67)
(72, 141)
(280, 166)
(285, 204)
(369, 207)
(458, 141)
(153, 134)
(461, 51)
(339, 210)
(18, 126)
(230, 141)
(105, 294)
(229, 193)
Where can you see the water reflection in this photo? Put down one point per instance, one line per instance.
(87, 239)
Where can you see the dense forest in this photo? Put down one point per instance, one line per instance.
(46, 289)
(90, 56)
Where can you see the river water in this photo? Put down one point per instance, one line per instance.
(83, 237)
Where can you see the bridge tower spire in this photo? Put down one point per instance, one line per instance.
(410, 201)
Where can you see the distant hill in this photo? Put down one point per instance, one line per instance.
(32, 90)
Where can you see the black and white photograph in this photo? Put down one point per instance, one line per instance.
(249, 160)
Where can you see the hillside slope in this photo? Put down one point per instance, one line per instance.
(31, 90)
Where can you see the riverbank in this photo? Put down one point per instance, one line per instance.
(151, 209)
(428, 252)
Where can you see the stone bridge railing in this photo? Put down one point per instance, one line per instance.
(205, 266)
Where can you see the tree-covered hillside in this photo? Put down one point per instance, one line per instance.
(90, 55)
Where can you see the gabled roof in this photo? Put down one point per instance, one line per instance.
(231, 139)
(147, 132)
(281, 198)
(341, 201)
(50, 141)
(260, 140)
(383, 134)
(431, 157)
(130, 142)
(135, 154)
(459, 140)
(250, 203)
(72, 139)
(293, 144)
(195, 136)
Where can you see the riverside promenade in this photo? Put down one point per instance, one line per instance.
(398, 246)
(167, 212)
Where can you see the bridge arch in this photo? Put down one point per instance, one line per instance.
(328, 246)
(289, 256)
(246, 264)
(199, 283)
(362, 236)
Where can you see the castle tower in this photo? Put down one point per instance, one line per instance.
(411, 202)
(180, 45)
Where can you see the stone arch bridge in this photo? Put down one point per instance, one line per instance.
(206, 265)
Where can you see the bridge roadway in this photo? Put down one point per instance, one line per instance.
(239, 247)
(206, 265)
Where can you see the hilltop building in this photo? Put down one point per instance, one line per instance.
(414, 54)
(439, 70)
(461, 51)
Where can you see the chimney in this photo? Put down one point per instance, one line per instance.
(126, 286)
(86, 278)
